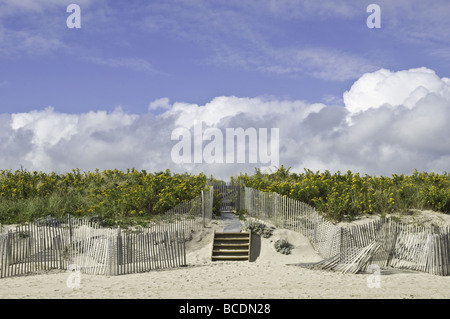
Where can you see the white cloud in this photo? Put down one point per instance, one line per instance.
(223, 107)
(395, 128)
(162, 103)
(49, 132)
(48, 127)
(404, 88)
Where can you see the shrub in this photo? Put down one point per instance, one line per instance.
(257, 228)
(112, 194)
(241, 214)
(283, 246)
(346, 196)
(217, 202)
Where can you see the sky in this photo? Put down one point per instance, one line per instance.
(111, 93)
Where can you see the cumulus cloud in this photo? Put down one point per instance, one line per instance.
(399, 122)
(405, 88)
(223, 107)
(52, 136)
(399, 119)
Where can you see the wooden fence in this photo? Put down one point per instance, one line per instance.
(352, 249)
(188, 216)
(77, 243)
(230, 195)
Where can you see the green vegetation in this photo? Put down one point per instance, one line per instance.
(116, 197)
(346, 196)
(217, 202)
(137, 197)
(283, 246)
(257, 228)
(241, 214)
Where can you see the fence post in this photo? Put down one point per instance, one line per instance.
(203, 209)
(9, 252)
(70, 228)
(119, 250)
(316, 221)
(70, 247)
(276, 209)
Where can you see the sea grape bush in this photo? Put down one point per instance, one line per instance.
(345, 196)
(111, 194)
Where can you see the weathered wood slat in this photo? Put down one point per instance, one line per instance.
(398, 245)
(57, 243)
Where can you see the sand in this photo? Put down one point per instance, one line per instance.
(268, 276)
(416, 217)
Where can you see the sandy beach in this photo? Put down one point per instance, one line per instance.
(268, 276)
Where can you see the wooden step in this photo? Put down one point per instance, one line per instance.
(230, 251)
(231, 240)
(222, 245)
(231, 246)
(233, 234)
(229, 258)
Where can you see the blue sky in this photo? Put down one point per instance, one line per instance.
(130, 53)
(127, 54)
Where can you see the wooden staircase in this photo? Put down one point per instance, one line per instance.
(231, 246)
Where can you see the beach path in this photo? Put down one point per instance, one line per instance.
(231, 222)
